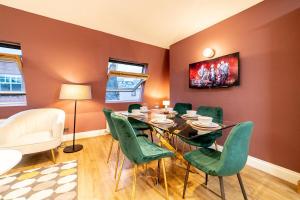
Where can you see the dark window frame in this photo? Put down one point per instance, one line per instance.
(142, 85)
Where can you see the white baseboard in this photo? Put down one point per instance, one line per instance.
(86, 134)
(275, 170)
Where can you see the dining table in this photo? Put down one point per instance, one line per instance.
(181, 126)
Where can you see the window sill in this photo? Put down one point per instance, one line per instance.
(12, 104)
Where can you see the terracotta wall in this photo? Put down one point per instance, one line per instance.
(267, 37)
(55, 52)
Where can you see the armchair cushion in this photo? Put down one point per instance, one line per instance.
(33, 130)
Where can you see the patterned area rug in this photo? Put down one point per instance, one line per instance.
(57, 182)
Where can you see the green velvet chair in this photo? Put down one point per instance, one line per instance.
(138, 150)
(107, 114)
(207, 140)
(134, 106)
(226, 163)
(181, 108)
(136, 124)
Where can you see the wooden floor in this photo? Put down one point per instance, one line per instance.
(96, 178)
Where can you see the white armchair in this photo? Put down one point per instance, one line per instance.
(33, 130)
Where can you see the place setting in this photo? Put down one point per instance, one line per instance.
(204, 123)
(136, 113)
(161, 119)
(190, 115)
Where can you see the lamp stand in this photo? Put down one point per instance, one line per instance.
(75, 147)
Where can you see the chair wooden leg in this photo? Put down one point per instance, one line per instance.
(216, 145)
(119, 175)
(110, 148)
(186, 179)
(165, 178)
(117, 164)
(222, 187)
(206, 179)
(53, 155)
(134, 182)
(242, 186)
(298, 187)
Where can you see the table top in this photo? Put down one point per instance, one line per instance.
(8, 159)
(182, 127)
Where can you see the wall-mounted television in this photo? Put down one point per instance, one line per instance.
(218, 72)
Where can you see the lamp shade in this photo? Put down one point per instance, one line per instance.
(166, 102)
(75, 92)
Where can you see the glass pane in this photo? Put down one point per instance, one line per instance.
(11, 51)
(125, 67)
(13, 79)
(4, 87)
(16, 87)
(124, 89)
(116, 97)
(2, 78)
(122, 83)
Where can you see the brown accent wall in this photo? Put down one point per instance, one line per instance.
(268, 39)
(56, 52)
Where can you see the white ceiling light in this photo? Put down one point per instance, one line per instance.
(156, 22)
(208, 52)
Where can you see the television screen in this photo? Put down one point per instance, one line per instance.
(219, 72)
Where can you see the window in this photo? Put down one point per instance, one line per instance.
(12, 87)
(125, 81)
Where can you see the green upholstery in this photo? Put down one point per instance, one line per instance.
(137, 149)
(107, 113)
(138, 125)
(233, 157)
(201, 141)
(215, 112)
(207, 140)
(181, 108)
(134, 106)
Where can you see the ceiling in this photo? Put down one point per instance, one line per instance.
(157, 22)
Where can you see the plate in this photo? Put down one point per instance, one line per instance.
(204, 125)
(190, 116)
(136, 115)
(159, 121)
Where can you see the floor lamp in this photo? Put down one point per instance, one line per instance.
(74, 92)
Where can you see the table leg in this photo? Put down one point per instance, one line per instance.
(167, 145)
